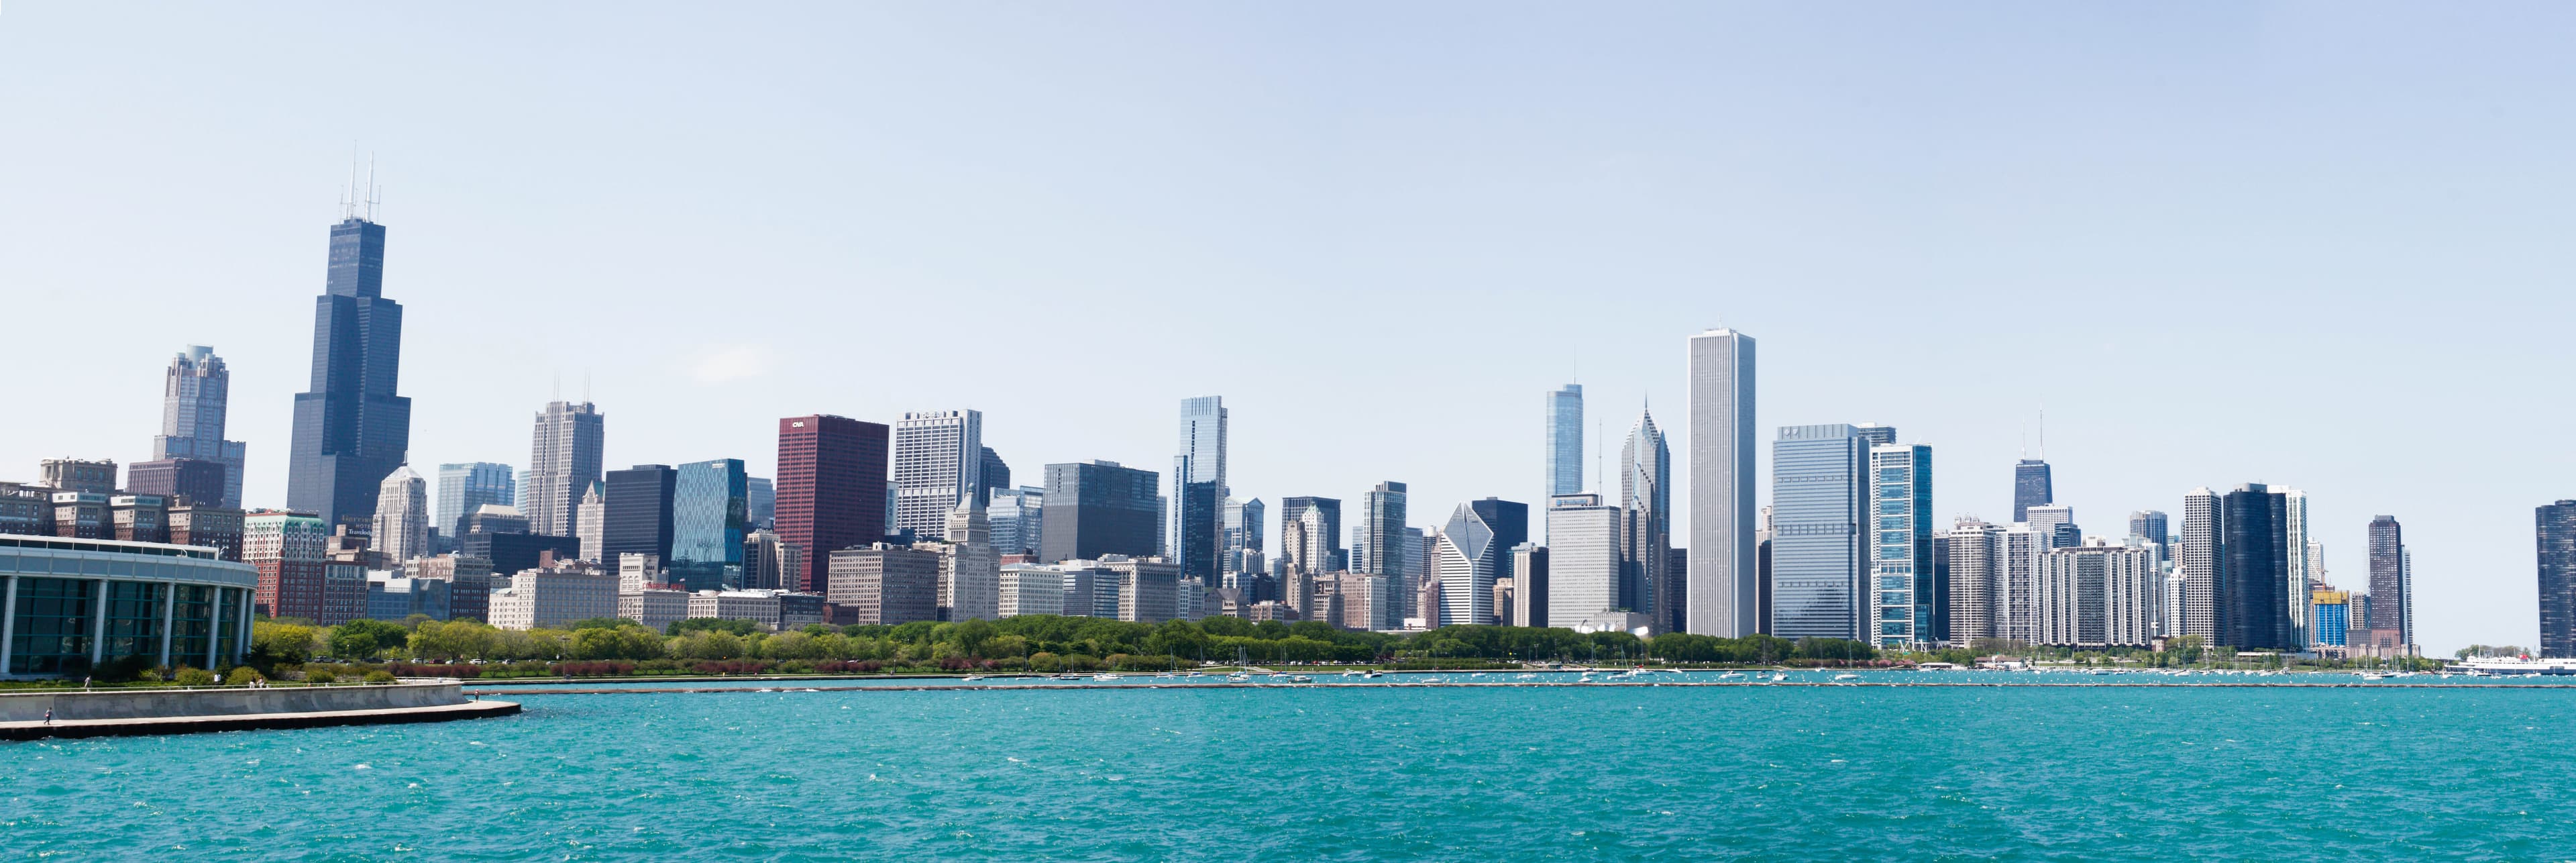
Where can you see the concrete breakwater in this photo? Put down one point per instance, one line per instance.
(168, 711)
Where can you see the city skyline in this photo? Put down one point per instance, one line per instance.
(471, 249)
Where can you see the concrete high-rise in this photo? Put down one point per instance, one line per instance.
(564, 458)
(1908, 599)
(1585, 558)
(710, 520)
(831, 489)
(1322, 551)
(464, 487)
(2201, 564)
(1565, 440)
(1648, 585)
(1975, 556)
(2554, 526)
(938, 464)
(1721, 594)
(1096, 508)
(194, 395)
(402, 517)
(1198, 488)
(2031, 487)
(351, 429)
(1819, 556)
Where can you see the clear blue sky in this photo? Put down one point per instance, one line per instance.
(2322, 245)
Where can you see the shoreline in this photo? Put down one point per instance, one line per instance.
(1057, 687)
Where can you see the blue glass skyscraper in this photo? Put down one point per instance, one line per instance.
(1910, 593)
(466, 485)
(710, 516)
(1819, 492)
(351, 430)
(1565, 440)
(1198, 487)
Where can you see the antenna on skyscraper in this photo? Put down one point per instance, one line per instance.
(2043, 432)
(585, 386)
(371, 187)
(349, 199)
(557, 394)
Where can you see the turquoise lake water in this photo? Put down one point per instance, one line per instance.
(1347, 773)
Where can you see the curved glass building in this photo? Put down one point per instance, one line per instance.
(71, 605)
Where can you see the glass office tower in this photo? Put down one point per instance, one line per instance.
(710, 517)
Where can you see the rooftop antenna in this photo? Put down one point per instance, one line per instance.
(371, 186)
(349, 200)
(585, 386)
(558, 390)
(2043, 432)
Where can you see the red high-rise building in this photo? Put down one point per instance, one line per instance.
(831, 489)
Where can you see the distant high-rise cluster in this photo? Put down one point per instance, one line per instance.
(919, 519)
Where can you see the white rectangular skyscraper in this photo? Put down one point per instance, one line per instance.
(1721, 596)
(938, 464)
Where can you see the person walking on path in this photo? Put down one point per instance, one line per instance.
(49, 716)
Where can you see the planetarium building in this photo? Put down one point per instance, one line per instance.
(71, 605)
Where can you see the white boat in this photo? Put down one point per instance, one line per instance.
(1238, 677)
(1777, 677)
(1068, 676)
(974, 677)
(1300, 678)
(1373, 674)
(1731, 675)
(1843, 677)
(1104, 677)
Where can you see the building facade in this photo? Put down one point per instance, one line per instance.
(2554, 528)
(1721, 595)
(1648, 585)
(1819, 553)
(1564, 441)
(287, 550)
(72, 606)
(1584, 559)
(1198, 490)
(1097, 508)
(831, 489)
(195, 393)
(565, 457)
(885, 584)
(1908, 595)
(710, 520)
(2391, 614)
(638, 515)
(351, 429)
(402, 516)
(466, 486)
(2097, 595)
(2032, 486)
(938, 464)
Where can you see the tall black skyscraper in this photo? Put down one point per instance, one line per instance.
(2255, 569)
(638, 517)
(351, 430)
(2557, 531)
(1099, 507)
(2031, 488)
